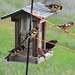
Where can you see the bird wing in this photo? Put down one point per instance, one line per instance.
(64, 25)
(67, 24)
(52, 5)
(15, 50)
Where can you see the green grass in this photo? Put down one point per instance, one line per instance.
(61, 63)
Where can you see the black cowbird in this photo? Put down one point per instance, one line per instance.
(50, 46)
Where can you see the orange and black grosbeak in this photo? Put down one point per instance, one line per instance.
(65, 26)
(49, 46)
(31, 33)
(16, 51)
(54, 7)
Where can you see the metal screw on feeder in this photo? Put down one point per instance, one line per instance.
(29, 39)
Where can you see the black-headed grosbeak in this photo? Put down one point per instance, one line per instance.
(65, 26)
(31, 33)
(40, 52)
(16, 51)
(54, 7)
(49, 46)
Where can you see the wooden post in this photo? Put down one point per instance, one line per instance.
(44, 35)
(24, 24)
(40, 35)
(24, 28)
(35, 41)
(17, 33)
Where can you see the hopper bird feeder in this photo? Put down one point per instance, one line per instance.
(21, 18)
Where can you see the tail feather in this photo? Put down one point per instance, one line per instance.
(7, 56)
(57, 26)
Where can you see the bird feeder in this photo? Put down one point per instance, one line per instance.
(22, 19)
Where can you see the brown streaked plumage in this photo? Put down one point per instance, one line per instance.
(40, 52)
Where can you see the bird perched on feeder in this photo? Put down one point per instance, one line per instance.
(49, 44)
(54, 7)
(31, 33)
(40, 52)
(65, 26)
(16, 51)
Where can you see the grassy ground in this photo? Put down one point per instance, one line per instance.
(62, 63)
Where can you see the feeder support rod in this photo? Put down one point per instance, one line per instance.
(29, 39)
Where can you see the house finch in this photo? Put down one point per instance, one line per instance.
(40, 52)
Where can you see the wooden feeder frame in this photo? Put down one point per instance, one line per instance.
(21, 19)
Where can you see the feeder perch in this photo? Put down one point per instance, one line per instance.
(22, 19)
